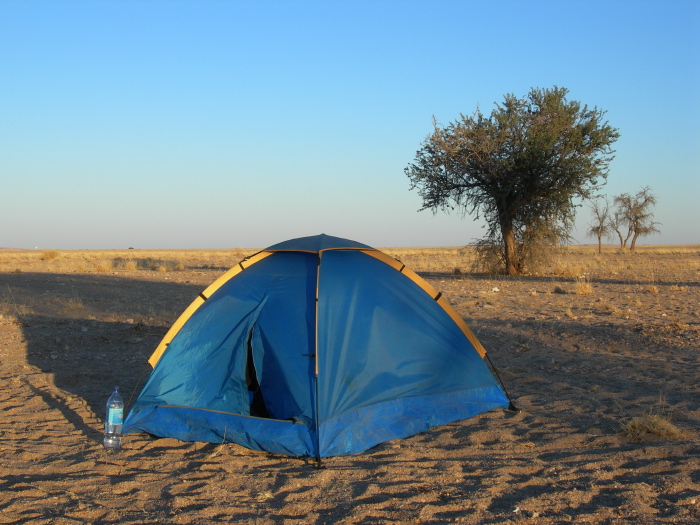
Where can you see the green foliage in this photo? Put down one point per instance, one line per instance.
(519, 168)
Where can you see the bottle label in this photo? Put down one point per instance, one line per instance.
(115, 416)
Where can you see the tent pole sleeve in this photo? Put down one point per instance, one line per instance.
(318, 430)
(318, 278)
(199, 301)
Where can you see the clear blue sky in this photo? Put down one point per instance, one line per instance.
(211, 124)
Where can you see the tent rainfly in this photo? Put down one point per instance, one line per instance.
(315, 347)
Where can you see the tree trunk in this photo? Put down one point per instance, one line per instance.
(629, 234)
(622, 244)
(634, 241)
(510, 249)
(600, 244)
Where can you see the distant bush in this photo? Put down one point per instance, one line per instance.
(50, 255)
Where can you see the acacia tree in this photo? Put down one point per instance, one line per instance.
(618, 223)
(600, 225)
(636, 213)
(520, 168)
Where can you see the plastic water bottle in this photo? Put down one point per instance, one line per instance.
(113, 421)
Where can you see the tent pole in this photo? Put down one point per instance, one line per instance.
(318, 430)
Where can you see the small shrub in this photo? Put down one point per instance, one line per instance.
(677, 325)
(103, 266)
(559, 268)
(558, 289)
(614, 310)
(50, 255)
(651, 424)
(488, 258)
(131, 266)
(652, 289)
(74, 303)
(583, 286)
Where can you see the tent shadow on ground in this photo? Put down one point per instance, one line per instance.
(87, 363)
(91, 332)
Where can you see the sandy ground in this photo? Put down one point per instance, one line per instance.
(578, 366)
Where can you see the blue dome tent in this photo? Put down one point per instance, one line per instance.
(315, 347)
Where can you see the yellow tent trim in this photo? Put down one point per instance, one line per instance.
(199, 301)
(465, 328)
(398, 265)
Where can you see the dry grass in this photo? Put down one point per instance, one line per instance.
(651, 424)
(50, 255)
(118, 261)
(570, 263)
(103, 266)
(71, 303)
(643, 249)
(453, 260)
(9, 304)
(656, 422)
(583, 285)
